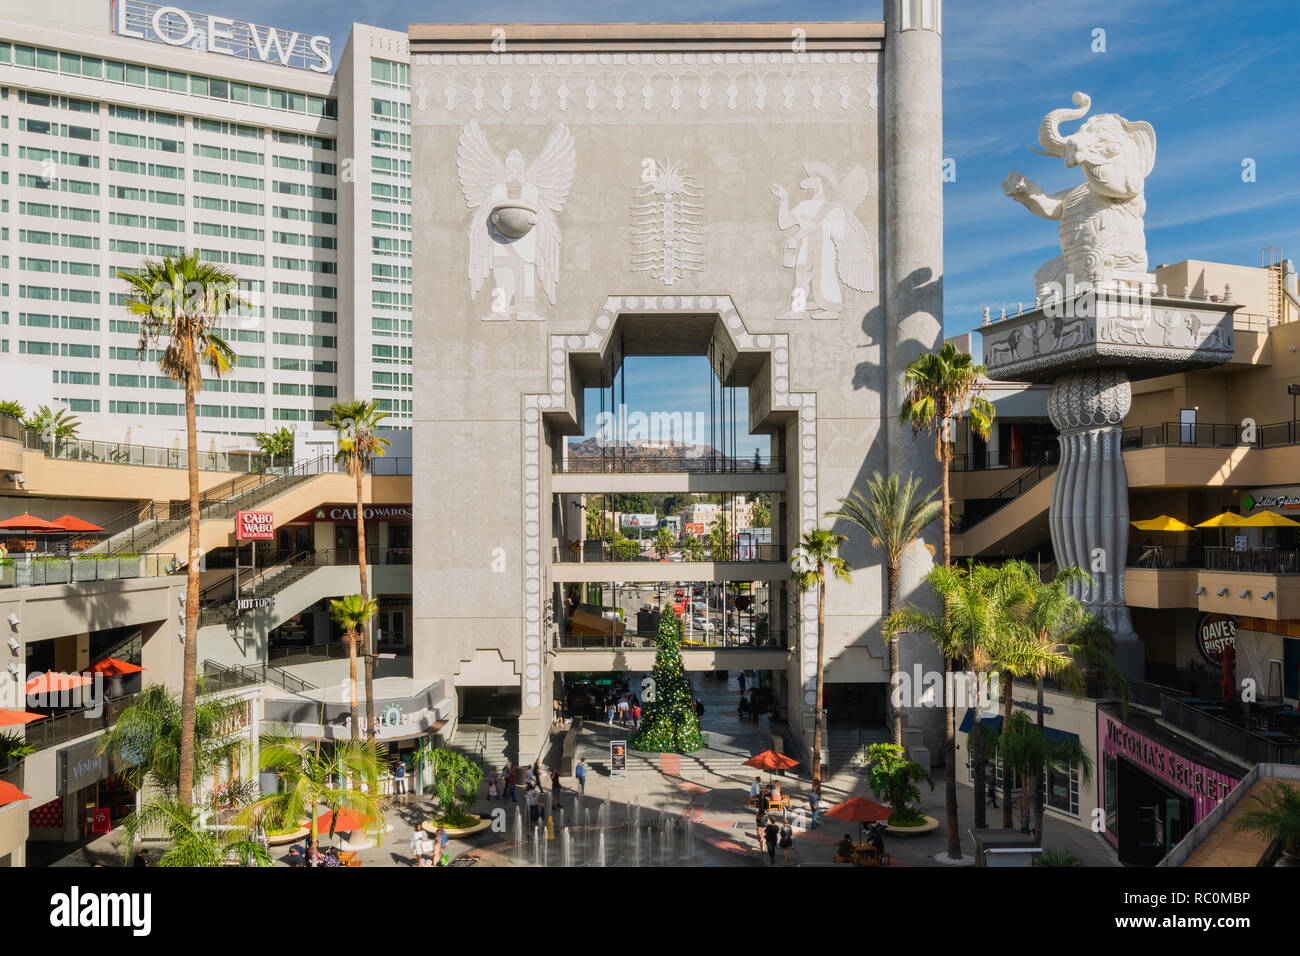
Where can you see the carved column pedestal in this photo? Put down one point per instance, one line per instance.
(1089, 517)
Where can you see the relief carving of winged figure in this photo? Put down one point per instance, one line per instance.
(514, 234)
(830, 245)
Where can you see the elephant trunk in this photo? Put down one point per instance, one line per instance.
(1049, 133)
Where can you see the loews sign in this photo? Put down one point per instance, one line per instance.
(210, 33)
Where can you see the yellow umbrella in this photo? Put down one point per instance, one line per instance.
(1224, 520)
(1268, 519)
(1162, 523)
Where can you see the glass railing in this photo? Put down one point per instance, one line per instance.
(83, 569)
(595, 552)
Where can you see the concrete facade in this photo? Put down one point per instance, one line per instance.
(753, 113)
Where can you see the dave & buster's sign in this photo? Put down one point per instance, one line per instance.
(254, 525)
(1214, 632)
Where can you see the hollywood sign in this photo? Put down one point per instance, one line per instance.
(209, 33)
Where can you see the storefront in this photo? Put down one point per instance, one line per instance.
(333, 527)
(1155, 785)
(93, 796)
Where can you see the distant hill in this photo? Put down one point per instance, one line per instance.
(650, 456)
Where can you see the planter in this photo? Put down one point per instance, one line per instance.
(284, 839)
(108, 568)
(930, 824)
(128, 567)
(58, 571)
(85, 570)
(8, 576)
(431, 827)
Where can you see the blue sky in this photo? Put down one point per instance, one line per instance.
(1211, 77)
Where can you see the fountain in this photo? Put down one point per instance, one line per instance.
(688, 843)
(636, 844)
(602, 849)
(519, 836)
(567, 849)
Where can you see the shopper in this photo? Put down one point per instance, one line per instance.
(771, 834)
(580, 771)
(399, 779)
(815, 804)
(785, 839)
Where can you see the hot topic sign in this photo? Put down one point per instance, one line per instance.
(254, 525)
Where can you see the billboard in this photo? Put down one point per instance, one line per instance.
(254, 525)
(639, 521)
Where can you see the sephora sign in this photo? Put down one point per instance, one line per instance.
(210, 33)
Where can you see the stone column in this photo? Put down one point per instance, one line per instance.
(912, 128)
(1089, 513)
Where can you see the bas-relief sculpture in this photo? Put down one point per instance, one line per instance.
(514, 233)
(667, 223)
(829, 244)
(1101, 218)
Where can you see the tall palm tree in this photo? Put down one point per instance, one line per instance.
(311, 778)
(180, 301)
(1030, 753)
(353, 614)
(359, 446)
(820, 548)
(894, 514)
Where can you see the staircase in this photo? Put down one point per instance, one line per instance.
(267, 583)
(489, 745)
(138, 532)
(845, 742)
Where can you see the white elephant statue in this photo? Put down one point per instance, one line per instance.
(1101, 219)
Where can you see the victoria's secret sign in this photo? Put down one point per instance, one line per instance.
(1206, 787)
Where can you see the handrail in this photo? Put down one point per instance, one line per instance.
(1010, 493)
(242, 675)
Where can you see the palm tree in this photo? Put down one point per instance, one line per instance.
(1029, 753)
(664, 542)
(55, 426)
(894, 515)
(359, 446)
(148, 735)
(693, 549)
(311, 778)
(820, 552)
(189, 842)
(181, 301)
(1276, 819)
(276, 446)
(353, 614)
(940, 385)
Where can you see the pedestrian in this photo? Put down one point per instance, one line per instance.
(580, 771)
(531, 796)
(622, 711)
(740, 679)
(537, 773)
(510, 785)
(636, 716)
(555, 782)
(756, 788)
(492, 787)
(771, 834)
(760, 821)
(440, 848)
(420, 846)
(786, 839)
(559, 720)
(399, 779)
(609, 710)
(528, 778)
(815, 804)
(699, 707)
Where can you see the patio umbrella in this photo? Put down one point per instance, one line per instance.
(1268, 519)
(10, 794)
(1225, 519)
(28, 522)
(77, 525)
(112, 667)
(771, 761)
(859, 810)
(347, 821)
(53, 683)
(10, 717)
(1161, 523)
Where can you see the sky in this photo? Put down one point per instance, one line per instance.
(1217, 80)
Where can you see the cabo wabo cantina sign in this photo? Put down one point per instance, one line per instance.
(210, 33)
(1206, 787)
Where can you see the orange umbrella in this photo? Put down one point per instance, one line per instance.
(10, 794)
(53, 683)
(112, 667)
(859, 810)
(29, 522)
(10, 717)
(346, 822)
(770, 760)
(71, 523)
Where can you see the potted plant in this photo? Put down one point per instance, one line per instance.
(109, 566)
(1277, 819)
(57, 570)
(893, 778)
(1057, 858)
(85, 569)
(128, 565)
(7, 574)
(453, 775)
(13, 749)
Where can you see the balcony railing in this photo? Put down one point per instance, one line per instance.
(82, 569)
(692, 640)
(1208, 435)
(618, 461)
(11, 428)
(1232, 728)
(1265, 561)
(596, 552)
(1003, 458)
(1159, 557)
(60, 728)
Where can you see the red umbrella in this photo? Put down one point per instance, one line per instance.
(112, 667)
(69, 523)
(10, 717)
(53, 683)
(859, 810)
(27, 522)
(348, 820)
(770, 760)
(10, 794)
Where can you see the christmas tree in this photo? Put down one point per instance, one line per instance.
(668, 720)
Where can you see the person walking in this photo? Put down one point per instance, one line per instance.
(815, 804)
(609, 710)
(580, 771)
(740, 679)
(622, 711)
(559, 720)
(785, 839)
(636, 715)
(771, 834)
(760, 821)
(492, 787)
(440, 848)
(531, 796)
(555, 783)
(537, 774)
(510, 785)
(399, 779)
(420, 846)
